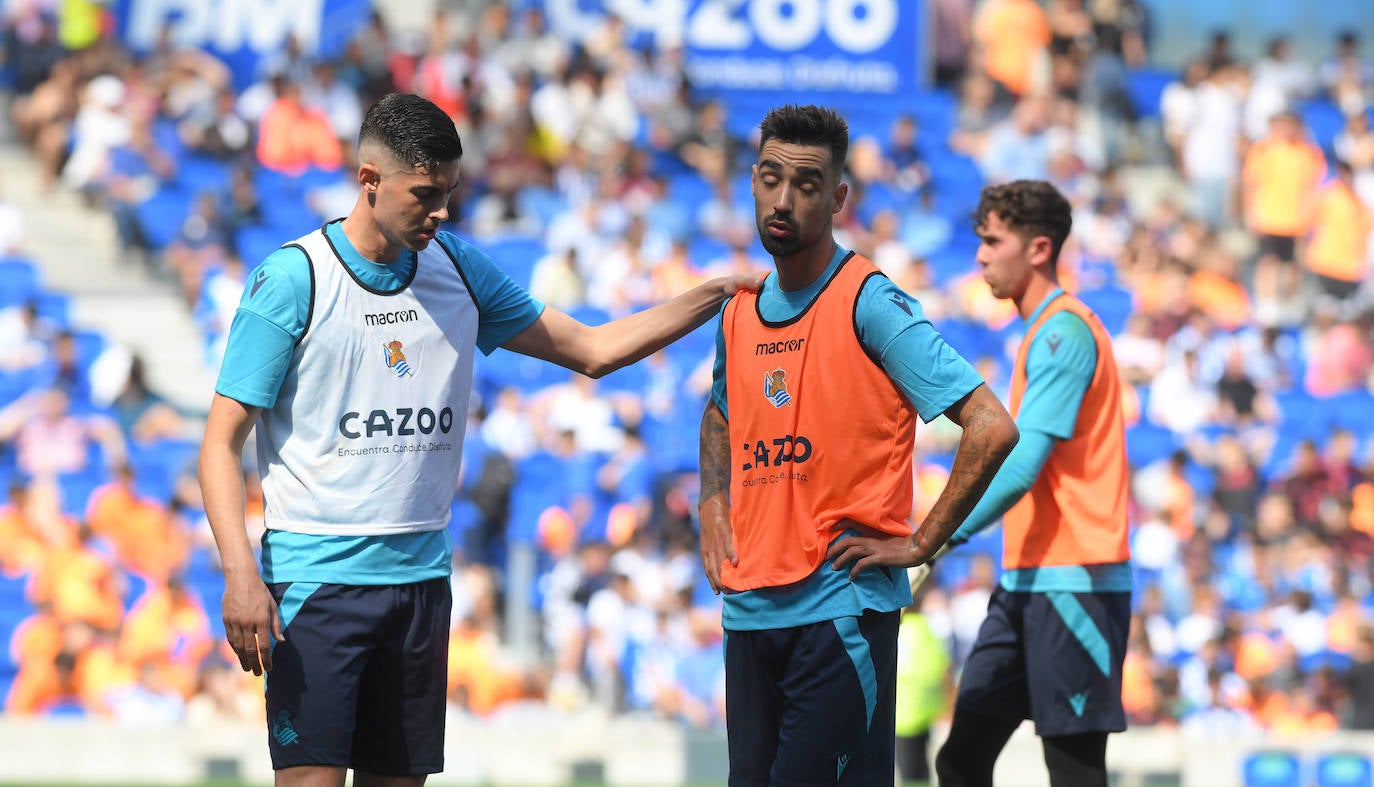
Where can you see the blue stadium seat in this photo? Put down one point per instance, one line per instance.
(1147, 443)
(1344, 769)
(55, 307)
(543, 203)
(1303, 416)
(1113, 305)
(516, 255)
(705, 250)
(197, 174)
(19, 281)
(1323, 659)
(162, 214)
(1272, 768)
(1352, 411)
(1146, 88)
(1324, 121)
(255, 243)
(76, 489)
(157, 465)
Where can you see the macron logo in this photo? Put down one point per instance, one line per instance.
(901, 303)
(257, 283)
(840, 763)
(1079, 701)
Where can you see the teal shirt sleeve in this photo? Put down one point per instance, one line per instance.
(718, 367)
(1059, 368)
(506, 308)
(894, 329)
(268, 323)
(1013, 480)
(1060, 365)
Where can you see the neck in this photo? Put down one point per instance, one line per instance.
(1037, 290)
(800, 270)
(366, 237)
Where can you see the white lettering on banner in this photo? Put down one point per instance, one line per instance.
(227, 25)
(854, 26)
(784, 31)
(717, 24)
(795, 73)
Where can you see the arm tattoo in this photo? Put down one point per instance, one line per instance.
(714, 453)
(975, 463)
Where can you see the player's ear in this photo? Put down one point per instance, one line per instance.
(1041, 250)
(369, 176)
(841, 194)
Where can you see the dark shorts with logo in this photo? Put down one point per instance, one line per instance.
(1054, 658)
(813, 704)
(360, 680)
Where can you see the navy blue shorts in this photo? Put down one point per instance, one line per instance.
(814, 704)
(360, 680)
(1054, 658)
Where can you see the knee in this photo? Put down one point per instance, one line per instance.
(950, 766)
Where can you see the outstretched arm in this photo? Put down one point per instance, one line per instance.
(600, 350)
(717, 535)
(989, 436)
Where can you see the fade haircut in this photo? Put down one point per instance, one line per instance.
(413, 129)
(1029, 208)
(809, 125)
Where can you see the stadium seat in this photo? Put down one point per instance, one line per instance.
(161, 215)
(255, 243)
(1146, 87)
(158, 464)
(516, 255)
(198, 174)
(1147, 443)
(1272, 768)
(55, 307)
(1344, 769)
(1113, 305)
(1323, 659)
(1324, 121)
(19, 281)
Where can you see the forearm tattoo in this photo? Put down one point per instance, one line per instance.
(975, 463)
(714, 453)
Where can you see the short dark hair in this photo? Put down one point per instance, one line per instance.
(1031, 209)
(416, 131)
(808, 125)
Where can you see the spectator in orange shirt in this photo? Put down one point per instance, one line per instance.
(1339, 246)
(1014, 36)
(81, 585)
(293, 137)
(1282, 173)
(21, 543)
(145, 537)
(83, 671)
(1215, 289)
(169, 629)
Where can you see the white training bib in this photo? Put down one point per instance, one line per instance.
(366, 435)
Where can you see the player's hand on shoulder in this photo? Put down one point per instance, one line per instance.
(741, 281)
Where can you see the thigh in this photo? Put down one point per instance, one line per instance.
(399, 728)
(1076, 644)
(994, 681)
(753, 702)
(312, 689)
(838, 721)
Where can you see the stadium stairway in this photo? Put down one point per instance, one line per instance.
(77, 253)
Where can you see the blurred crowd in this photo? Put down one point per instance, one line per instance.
(1222, 225)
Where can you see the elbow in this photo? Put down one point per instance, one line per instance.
(1008, 435)
(598, 369)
